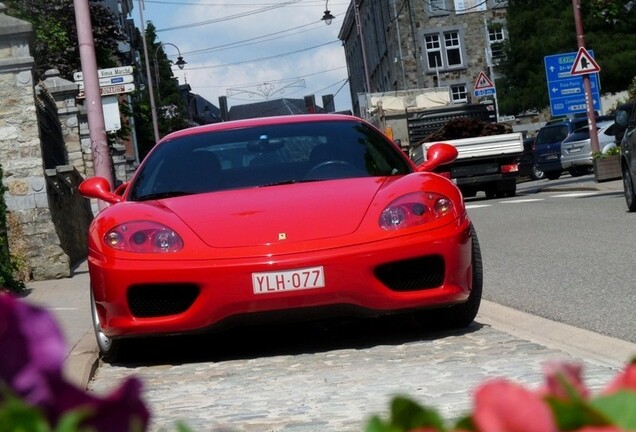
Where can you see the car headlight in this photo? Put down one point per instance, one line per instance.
(143, 237)
(415, 209)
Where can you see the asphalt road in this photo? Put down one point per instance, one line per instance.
(563, 254)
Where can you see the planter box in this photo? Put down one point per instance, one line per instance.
(608, 168)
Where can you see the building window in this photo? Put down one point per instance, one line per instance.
(496, 37)
(436, 7)
(443, 50)
(458, 93)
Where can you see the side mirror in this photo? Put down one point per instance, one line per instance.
(98, 187)
(437, 155)
(622, 118)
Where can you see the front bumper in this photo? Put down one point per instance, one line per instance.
(215, 291)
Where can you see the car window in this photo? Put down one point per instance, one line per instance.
(265, 156)
(552, 134)
(578, 135)
(609, 131)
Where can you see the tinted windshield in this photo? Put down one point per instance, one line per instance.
(552, 134)
(266, 156)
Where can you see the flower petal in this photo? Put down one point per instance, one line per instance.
(503, 406)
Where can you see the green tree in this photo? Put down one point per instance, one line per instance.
(537, 29)
(168, 100)
(56, 45)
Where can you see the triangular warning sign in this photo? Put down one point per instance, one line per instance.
(483, 82)
(584, 63)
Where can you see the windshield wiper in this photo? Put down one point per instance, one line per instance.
(288, 182)
(161, 195)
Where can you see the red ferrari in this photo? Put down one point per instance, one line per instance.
(294, 217)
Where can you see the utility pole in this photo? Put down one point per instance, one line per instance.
(93, 100)
(587, 87)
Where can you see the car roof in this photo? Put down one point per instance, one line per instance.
(262, 121)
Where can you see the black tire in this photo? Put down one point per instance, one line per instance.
(536, 173)
(109, 349)
(552, 175)
(628, 187)
(463, 314)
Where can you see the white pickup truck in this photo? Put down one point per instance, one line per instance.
(485, 163)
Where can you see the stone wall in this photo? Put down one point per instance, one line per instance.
(20, 152)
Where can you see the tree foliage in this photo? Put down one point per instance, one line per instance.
(538, 29)
(56, 45)
(169, 103)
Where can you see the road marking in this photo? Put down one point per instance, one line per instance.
(574, 195)
(475, 206)
(522, 201)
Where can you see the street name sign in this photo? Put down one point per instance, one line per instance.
(104, 82)
(566, 91)
(107, 73)
(111, 90)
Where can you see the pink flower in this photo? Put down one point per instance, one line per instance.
(503, 406)
(33, 371)
(626, 380)
(562, 378)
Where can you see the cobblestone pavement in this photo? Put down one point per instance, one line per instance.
(338, 389)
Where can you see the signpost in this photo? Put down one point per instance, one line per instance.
(566, 91)
(112, 81)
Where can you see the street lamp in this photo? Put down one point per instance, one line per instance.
(151, 94)
(327, 17)
(180, 61)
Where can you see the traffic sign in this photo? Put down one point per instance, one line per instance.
(566, 91)
(485, 92)
(483, 86)
(104, 82)
(112, 90)
(483, 82)
(107, 73)
(584, 63)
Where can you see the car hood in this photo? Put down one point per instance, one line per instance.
(290, 213)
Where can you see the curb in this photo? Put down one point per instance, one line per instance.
(577, 342)
(82, 361)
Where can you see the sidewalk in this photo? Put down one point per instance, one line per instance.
(68, 299)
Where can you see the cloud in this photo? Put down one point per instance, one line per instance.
(253, 50)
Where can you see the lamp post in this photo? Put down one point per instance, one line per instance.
(180, 63)
(151, 93)
(328, 18)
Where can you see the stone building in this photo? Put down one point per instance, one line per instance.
(422, 44)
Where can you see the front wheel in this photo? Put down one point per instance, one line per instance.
(109, 348)
(463, 314)
(536, 173)
(628, 187)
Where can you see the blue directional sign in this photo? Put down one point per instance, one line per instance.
(566, 91)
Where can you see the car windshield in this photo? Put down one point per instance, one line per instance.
(579, 135)
(552, 134)
(265, 156)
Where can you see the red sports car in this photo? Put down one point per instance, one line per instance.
(286, 217)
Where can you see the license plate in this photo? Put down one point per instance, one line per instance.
(552, 157)
(289, 280)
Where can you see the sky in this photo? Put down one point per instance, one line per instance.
(253, 50)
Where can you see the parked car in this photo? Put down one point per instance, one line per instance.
(291, 217)
(547, 146)
(627, 120)
(624, 110)
(576, 149)
(527, 164)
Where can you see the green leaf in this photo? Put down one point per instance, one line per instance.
(619, 408)
(408, 415)
(376, 424)
(572, 415)
(15, 415)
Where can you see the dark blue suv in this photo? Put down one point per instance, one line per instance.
(547, 146)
